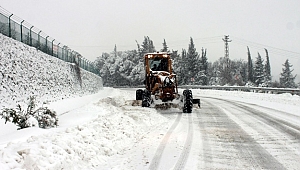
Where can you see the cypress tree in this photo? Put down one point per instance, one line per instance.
(267, 69)
(250, 67)
(115, 51)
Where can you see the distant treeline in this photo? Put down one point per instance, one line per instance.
(126, 68)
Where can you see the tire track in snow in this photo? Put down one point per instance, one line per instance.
(247, 147)
(206, 115)
(187, 146)
(282, 125)
(224, 143)
(278, 138)
(157, 157)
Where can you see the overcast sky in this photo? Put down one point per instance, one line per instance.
(92, 27)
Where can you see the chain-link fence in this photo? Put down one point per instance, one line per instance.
(18, 29)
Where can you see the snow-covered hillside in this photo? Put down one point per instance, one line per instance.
(26, 71)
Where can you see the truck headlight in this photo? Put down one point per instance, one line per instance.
(168, 82)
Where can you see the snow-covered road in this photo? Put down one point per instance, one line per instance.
(231, 130)
(245, 136)
(223, 134)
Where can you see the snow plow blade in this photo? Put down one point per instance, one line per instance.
(136, 103)
(197, 101)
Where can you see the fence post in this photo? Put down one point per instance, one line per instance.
(64, 53)
(58, 51)
(73, 56)
(87, 65)
(47, 44)
(52, 46)
(84, 63)
(69, 57)
(30, 32)
(84, 67)
(39, 45)
(9, 25)
(22, 30)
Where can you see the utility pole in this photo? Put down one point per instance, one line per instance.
(226, 40)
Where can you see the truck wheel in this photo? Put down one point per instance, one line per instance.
(188, 101)
(146, 98)
(139, 94)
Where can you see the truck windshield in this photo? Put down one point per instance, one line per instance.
(160, 64)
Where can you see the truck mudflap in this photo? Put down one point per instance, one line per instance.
(197, 101)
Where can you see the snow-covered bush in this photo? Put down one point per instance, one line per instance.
(46, 118)
(250, 84)
(42, 117)
(15, 116)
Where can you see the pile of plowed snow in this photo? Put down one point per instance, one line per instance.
(26, 71)
(86, 138)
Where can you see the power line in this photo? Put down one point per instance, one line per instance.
(195, 39)
(204, 40)
(243, 41)
(271, 50)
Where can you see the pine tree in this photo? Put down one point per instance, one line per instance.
(176, 61)
(147, 46)
(225, 71)
(192, 61)
(268, 77)
(203, 68)
(250, 67)
(258, 71)
(183, 68)
(287, 80)
(244, 72)
(215, 73)
(238, 72)
(165, 47)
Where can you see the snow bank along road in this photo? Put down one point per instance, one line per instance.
(232, 130)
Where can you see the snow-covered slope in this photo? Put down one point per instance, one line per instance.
(86, 137)
(26, 71)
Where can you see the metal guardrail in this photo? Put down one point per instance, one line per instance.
(20, 30)
(232, 88)
(247, 89)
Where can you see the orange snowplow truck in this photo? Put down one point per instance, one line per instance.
(161, 85)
